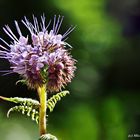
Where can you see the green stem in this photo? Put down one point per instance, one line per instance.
(42, 110)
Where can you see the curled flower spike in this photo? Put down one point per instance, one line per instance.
(40, 57)
(48, 137)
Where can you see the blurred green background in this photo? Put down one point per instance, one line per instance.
(105, 93)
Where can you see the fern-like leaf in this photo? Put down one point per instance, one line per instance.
(55, 98)
(29, 111)
(22, 101)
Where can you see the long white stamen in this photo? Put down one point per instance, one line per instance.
(68, 31)
(35, 26)
(10, 31)
(36, 23)
(6, 70)
(8, 73)
(4, 57)
(56, 26)
(9, 34)
(48, 25)
(3, 48)
(59, 24)
(4, 52)
(27, 24)
(4, 42)
(18, 29)
(43, 22)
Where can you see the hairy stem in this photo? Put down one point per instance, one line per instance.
(42, 110)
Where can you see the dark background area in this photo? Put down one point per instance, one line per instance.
(105, 93)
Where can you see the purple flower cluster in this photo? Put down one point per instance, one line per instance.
(40, 58)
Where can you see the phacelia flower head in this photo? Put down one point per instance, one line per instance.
(40, 57)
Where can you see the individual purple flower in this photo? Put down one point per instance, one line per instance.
(41, 57)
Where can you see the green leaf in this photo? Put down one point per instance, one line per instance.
(55, 98)
(29, 111)
(22, 101)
